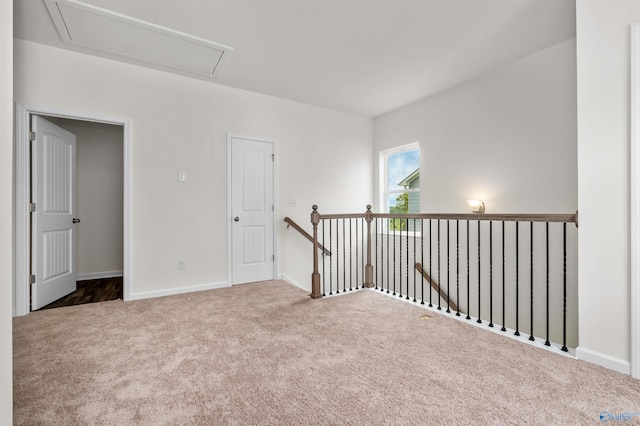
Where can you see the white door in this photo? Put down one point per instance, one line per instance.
(252, 211)
(53, 241)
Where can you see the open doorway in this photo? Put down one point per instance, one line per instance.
(103, 180)
(99, 212)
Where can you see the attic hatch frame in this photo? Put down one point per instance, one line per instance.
(91, 29)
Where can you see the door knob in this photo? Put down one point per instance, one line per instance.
(236, 219)
(75, 220)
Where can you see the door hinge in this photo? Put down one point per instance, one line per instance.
(273, 157)
(32, 136)
(273, 257)
(32, 279)
(273, 209)
(32, 207)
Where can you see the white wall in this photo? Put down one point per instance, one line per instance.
(6, 210)
(330, 166)
(99, 159)
(603, 52)
(508, 137)
(181, 124)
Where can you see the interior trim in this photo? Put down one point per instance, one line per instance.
(635, 200)
(110, 34)
(22, 193)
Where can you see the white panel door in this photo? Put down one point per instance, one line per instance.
(53, 240)
(252, 211)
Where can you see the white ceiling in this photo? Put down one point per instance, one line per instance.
(367, 57)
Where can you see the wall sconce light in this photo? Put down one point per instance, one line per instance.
(476, 206)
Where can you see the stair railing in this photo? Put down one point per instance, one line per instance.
(483, 265)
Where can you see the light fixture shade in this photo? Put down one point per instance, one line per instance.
(476, 206)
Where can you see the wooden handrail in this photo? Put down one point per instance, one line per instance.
(297, 227)
(566, 218)
(436, 287)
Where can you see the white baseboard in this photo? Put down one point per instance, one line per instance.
(288, 279)
(177, 290)
(607, 361)
(99, 275)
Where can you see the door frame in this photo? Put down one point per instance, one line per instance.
(230, 136)
(635, 200)
(22, 188)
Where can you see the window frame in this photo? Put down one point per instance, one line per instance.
(384, 192)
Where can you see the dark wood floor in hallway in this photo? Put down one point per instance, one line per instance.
(91, 291)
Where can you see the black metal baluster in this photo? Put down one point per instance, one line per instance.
(407, 240)
(414, 260)
(374, 243)
(458, 266)
(323, 257)
(448, 263)
(337, 256)
(362, 249)
(400, 254)
(350, 256)
(564, 287)
(504, 322)
(357, 270)
(547, 343)
(388, 258)
(379, 269)
(430, 269)
(362, 244)
(438, 265)
(330, 260)
(357, 285)
(479, 320)
(468, 278)
(422, 261)
(381, 255)
(531, 279)
(517, 333)
(394, 256)
(344, 259)
(490, 273)
(439, 281)
(375, 230)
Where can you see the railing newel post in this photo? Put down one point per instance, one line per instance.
(368, 279)
(315, 276)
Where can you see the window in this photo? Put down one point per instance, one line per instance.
(400, 182)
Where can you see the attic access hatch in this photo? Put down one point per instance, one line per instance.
(129, 39)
